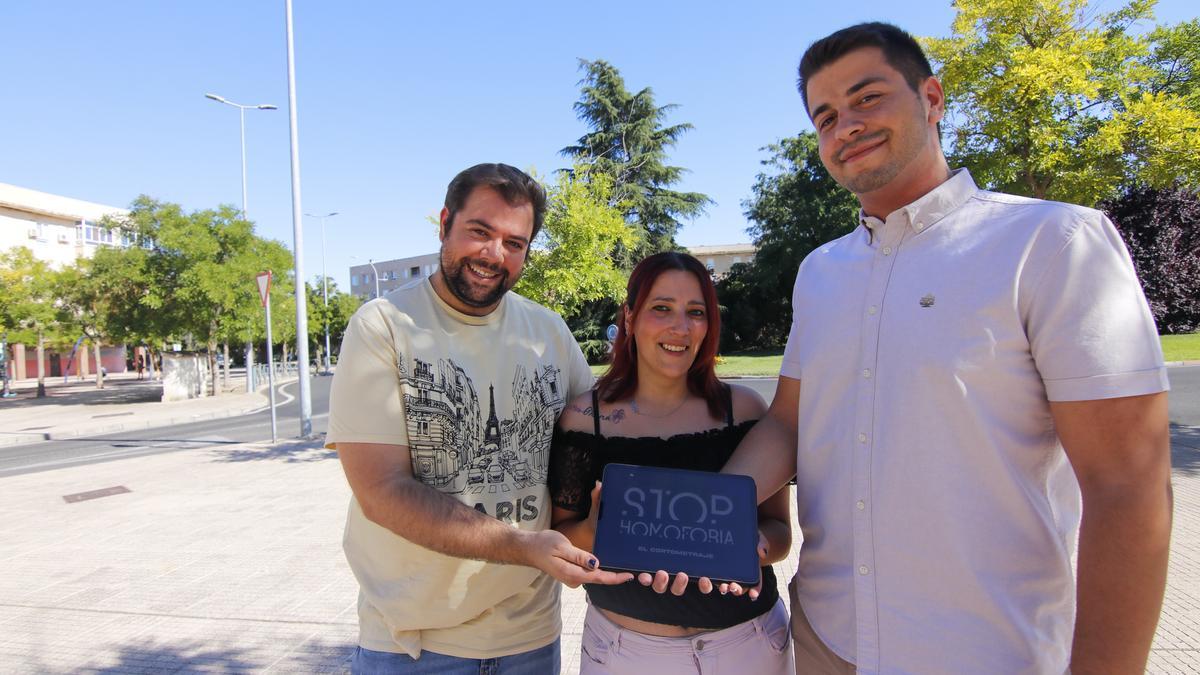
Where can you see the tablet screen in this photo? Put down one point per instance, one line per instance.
(698, 522)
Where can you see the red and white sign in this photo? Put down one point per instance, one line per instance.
(264, 287)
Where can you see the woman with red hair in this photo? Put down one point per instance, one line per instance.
(660, 404)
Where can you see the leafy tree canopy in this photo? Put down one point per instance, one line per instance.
(796, 206)
(571, 263)
(27, 309)
(1161, 228)
(1054, 99)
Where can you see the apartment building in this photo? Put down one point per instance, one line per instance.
(389, 274)
(58, 230)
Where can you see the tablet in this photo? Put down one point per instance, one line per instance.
(698, 522)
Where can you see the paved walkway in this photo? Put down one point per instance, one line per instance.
(229, 560)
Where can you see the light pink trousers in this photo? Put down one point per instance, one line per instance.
(760, 646)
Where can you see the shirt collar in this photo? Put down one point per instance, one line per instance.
(930, 208)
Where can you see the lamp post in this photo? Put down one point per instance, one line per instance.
(242, 114)
(374, 271)
(298, 235)
(325, 285)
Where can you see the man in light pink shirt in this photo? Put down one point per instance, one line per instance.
(979, 371)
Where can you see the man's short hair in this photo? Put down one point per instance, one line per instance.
(514, 185)
(899, 48)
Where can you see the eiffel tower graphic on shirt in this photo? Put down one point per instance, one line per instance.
(491, 433)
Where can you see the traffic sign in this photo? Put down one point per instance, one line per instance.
(264, 287)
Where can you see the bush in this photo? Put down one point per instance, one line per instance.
(1161, 228)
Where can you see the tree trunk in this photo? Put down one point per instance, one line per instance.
(213, 373)
(149, 356)
(41, 365)
(225, 370)
(99, 365)
(249, 367)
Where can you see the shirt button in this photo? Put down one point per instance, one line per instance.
(872, 310)
(887, 250)
(861, 505)
(919, 226)
(867, 373)
(699, 645)
(862, 438)
(862, 569)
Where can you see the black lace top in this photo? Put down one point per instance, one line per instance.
(577, 461)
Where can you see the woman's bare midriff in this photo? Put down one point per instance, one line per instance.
(650, 628)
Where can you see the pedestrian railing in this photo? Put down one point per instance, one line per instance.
(283, 371)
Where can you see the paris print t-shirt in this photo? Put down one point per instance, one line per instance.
(475, 400)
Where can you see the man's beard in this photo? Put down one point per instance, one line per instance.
(457, 278)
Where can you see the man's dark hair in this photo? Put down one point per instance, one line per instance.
(514, 185)
(899, 48)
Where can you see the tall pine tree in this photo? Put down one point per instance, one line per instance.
(627, 141)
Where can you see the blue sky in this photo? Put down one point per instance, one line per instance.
(105, 101)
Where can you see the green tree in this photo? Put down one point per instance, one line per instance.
(85, 300)
(572, 264)
(1053, 99)
(27, 302)
(196, 272)
(337, 314)
(796, 206)
(627, 141)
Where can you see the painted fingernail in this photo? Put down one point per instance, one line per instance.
(592, 563)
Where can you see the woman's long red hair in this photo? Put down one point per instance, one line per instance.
(621, 378)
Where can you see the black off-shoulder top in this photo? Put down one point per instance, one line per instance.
(577, 461)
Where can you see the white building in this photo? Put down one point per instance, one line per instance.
(59, 230)
(720, 258)
(392, 273)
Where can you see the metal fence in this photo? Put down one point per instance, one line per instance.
(283, 371)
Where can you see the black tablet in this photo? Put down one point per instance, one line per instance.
(698, 522)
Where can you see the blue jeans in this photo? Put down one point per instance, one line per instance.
(544, 661)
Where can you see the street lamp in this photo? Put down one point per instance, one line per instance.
(242, 114)
(376, 273)
(325, 284)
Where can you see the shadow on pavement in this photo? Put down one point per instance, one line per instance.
(151, 656)
(294, 451)
(1185, 449)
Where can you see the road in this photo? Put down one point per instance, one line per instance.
(14, 460)
(49, 455)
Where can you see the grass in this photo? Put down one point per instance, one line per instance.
(1181, 347)
(766, 363)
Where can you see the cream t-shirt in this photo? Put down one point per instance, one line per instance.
(475, 399)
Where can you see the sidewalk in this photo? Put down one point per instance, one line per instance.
(77, 408)
(229, 560)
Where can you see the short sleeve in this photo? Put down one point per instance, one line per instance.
(570, 477)
(1090, 329)
(790, 367)
(366, 404)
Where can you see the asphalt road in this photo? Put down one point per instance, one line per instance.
(49, 455)
(1184, 408)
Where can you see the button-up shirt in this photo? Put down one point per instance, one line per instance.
(938, 508)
